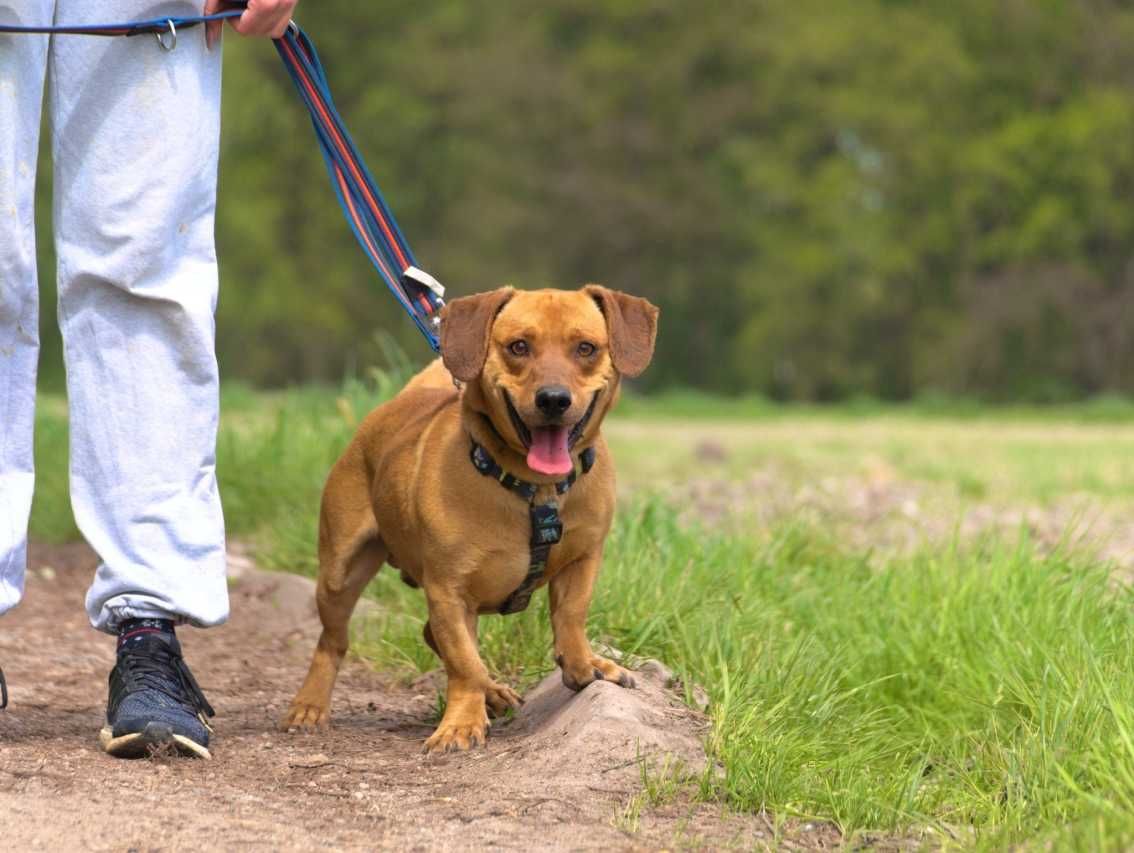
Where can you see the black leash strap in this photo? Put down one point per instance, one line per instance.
(3, 691)
(547, 527)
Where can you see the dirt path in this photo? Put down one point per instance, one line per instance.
(562, 775)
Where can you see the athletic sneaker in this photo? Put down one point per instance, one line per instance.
(154, 700)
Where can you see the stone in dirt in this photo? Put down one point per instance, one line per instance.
(608, 726)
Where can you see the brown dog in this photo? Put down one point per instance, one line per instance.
(540, 371)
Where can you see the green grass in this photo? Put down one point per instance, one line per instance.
(983, 695)
(978, 694)
(51, 519)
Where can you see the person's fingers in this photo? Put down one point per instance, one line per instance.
(288, 10)
(281, 28)
(210, 28)
(265, 18)
(213, 29)
(250, 24)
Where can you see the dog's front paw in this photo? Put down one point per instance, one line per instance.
(501, 697)
(306, 717)
(579, 673)
(457, 736)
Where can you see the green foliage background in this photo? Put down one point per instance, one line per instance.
(827, 197)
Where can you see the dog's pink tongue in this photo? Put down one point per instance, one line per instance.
(548, 453)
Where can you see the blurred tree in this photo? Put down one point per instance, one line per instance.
(826, 197)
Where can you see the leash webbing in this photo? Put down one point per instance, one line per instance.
(154, 26)
(366, 211)
(363, 205)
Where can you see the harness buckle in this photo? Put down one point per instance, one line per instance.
(547, 529)
(167, 39)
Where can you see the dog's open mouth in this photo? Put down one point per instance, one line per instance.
(549, 446)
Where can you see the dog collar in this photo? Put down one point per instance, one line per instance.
(489, 467)
(547, 528)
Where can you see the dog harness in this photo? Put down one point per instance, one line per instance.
(547, 528)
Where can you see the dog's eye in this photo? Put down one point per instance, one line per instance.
(519, 348)
(586, 349)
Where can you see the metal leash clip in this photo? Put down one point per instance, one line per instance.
(167, 40)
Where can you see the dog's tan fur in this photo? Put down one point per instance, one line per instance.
(405, 492)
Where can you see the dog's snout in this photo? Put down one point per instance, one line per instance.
(553, 400)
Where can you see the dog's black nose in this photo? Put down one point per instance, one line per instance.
(553, 400)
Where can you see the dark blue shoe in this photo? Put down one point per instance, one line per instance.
(154, 701)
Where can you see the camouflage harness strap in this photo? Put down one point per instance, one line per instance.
(547, 528)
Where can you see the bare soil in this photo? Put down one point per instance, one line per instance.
(566, 773)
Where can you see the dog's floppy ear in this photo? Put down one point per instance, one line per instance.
(631, 323)
(465, 324)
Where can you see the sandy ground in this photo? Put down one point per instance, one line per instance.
(563, 775)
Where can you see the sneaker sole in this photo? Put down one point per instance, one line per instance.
(140, 744)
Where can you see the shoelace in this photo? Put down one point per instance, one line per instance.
(159, 668)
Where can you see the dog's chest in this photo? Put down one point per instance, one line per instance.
(496, 577)
(465, 532)
(503, 569)
(485, 556)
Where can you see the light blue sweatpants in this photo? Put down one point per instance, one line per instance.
(135, 133)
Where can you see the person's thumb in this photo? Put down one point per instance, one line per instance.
(213, 29)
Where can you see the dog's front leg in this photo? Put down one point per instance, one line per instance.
(452, 625)
(569, 592)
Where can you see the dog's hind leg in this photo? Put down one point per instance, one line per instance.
(350, 554)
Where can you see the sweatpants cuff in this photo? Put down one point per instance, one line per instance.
(111, 617)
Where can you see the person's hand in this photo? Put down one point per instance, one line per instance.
(261, 18)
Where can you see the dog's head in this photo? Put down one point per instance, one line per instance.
(544, 366)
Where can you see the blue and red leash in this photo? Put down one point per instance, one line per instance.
(370, 218)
